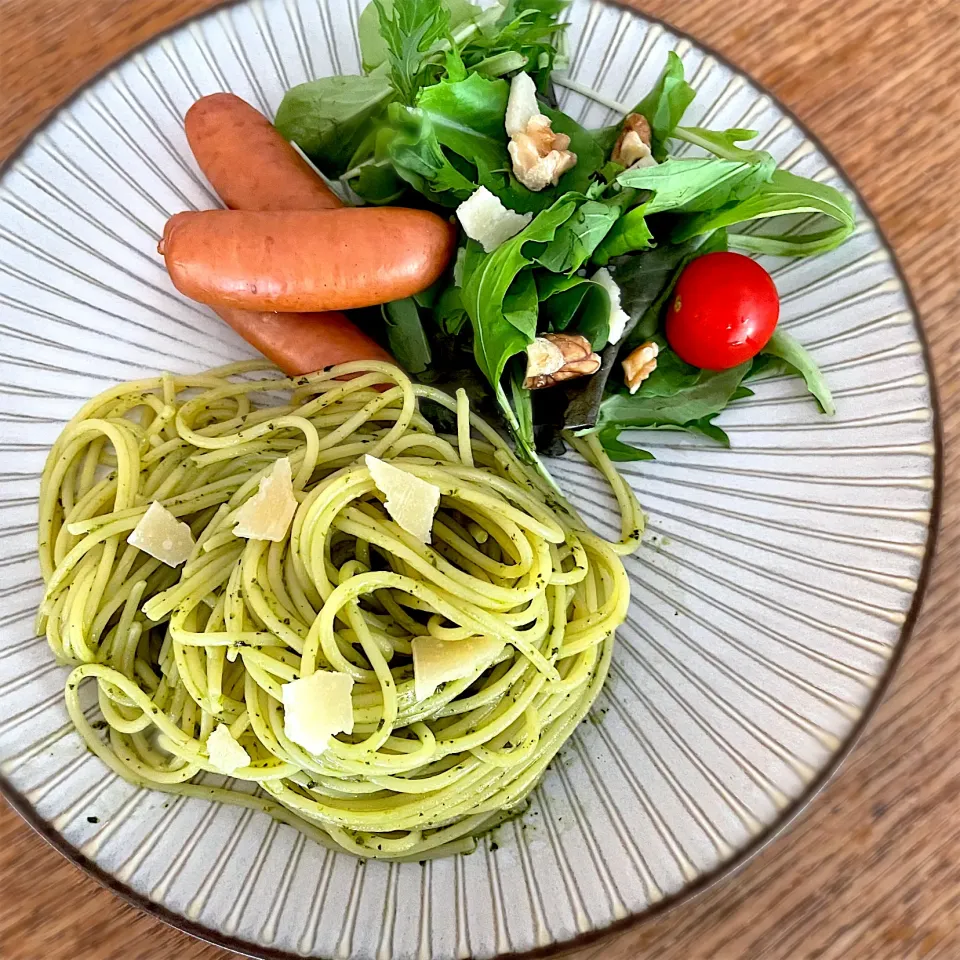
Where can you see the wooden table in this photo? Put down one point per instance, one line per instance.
(872, 869)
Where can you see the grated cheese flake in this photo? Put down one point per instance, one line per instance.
(317, 707)
(411, 502)
(160, 534)
(267, 514)
(618, 316)
(485, 219)
(225, 753)
(438, 661)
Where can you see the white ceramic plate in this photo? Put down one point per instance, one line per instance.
(771, 598)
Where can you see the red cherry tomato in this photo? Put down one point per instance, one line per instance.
(724, 310)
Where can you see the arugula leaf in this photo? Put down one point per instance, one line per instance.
(525, 27)
(674, 394)
(618, 451)
(628, 235)
(328, 118)
(723, 143)
(521, 305)
(486, 280)
(405, 335)
(409, 29)
(665, 105)
(785, 193)
(579, 237)
(522, 404)
(798, 360)
(575, 302)
(698, 184)
(467, 117)
(448, 312)
(791, 245)
(509, 61)
(418, 158)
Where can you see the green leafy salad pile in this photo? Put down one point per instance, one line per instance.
(424, 126)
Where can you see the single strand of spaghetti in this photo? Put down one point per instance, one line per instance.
(463, 428)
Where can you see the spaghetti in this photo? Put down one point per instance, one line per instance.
(176, 652)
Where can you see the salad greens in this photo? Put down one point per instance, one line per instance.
(424, 126)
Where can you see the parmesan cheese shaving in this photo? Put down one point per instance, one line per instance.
(160, 534)
(317, 707)
(267, 514)
(225, 753)
(485, 219)
(411, 502)
(440, 661)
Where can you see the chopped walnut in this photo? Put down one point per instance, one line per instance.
(639, 364)
(632, 148)
(555, 357)
(540, 156)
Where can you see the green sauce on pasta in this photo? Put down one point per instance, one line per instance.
(175, 652)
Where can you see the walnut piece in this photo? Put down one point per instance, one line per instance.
(639, 364)
(539, 156)
(555, 357)
(632, 148)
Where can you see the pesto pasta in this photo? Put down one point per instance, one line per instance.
(178, 654)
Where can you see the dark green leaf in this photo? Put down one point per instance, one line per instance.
(697, 184)
(521, 304)
(794, 354)
(618, 451)
(646, 281)
(629, 234)
(405, 335)
(665, 105)
(486, 280)
(578, 238)
(467, 117)
(328, 118)
(448, 311)
(575, 304)
(785, 194)
(672, 396)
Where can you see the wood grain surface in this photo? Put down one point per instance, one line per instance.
(872, 869)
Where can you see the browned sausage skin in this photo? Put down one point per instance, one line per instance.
(248, 162)
(303, 342)
(252, 167)
(305, 261)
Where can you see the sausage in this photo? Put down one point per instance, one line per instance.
(303, 342)
(248, 162)
(305, 260)
(252, 167)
